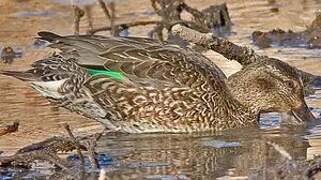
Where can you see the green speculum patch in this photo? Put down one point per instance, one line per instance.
(112, 74)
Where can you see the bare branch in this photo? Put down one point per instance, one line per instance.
(229, 50)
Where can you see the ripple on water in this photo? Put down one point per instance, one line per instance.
(270, 120)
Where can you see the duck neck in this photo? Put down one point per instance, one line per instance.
(240, 113)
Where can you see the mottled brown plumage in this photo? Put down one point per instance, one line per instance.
(158, 87)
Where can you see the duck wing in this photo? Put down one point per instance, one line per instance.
(144, 62)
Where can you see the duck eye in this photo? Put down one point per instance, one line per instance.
(290, 84)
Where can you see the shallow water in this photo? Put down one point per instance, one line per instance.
(238, 153)
(200, 156)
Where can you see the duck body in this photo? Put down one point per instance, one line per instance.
(136, 85)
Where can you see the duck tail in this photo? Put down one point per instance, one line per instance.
(49, 36)
(24, 76)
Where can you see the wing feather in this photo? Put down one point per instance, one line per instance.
(144, 62)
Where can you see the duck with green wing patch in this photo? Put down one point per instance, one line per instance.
(139, 85)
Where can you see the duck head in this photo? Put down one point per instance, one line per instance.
(271, 86)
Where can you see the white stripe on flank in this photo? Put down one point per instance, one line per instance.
(49, 88)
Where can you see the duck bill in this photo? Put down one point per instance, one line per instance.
(303, 113)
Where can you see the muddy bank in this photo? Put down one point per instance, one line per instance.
(309, 38)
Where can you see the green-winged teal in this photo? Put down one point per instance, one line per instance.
(138, 85)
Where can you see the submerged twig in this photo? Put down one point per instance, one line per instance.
(91, 144)
(47, 151)
(92, 149)
(77, 145)
(53, 145)
(27, 158)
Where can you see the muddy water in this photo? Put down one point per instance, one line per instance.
(241, 153)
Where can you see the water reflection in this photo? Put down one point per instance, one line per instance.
(191, 156)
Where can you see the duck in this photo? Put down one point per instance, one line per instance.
(141, 85)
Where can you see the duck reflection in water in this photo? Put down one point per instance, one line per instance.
(193, 157)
